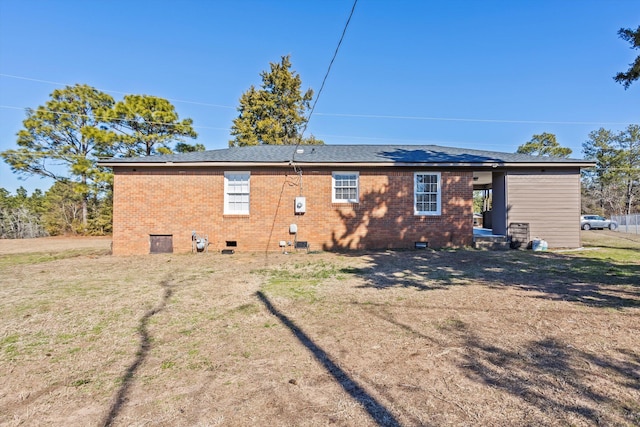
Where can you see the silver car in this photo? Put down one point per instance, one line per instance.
(587, 222)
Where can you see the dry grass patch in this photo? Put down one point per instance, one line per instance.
(386, 338)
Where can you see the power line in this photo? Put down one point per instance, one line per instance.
(335, 53)
(349, 115)
(377, 139)
(427, 118)
(313, 106)
(410, 141)
(324, 80)
(351, 137)
(455, 119)
(115, 91)
(65, 113)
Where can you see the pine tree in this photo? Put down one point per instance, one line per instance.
(544, 145)
(633, 73)
(275, 113)
(62, 139)
(147, 125)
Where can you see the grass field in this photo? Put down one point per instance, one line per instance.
(387, 338)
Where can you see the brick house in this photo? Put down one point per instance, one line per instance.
(337, 197)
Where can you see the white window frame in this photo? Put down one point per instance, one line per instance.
(228, 188)
(334, 199)
(438, 194)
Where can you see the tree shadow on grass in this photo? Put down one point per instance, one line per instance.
(593, 282)
(141, 355)
(421, 270)
(562, 382)
(555, 377)
(381, 415)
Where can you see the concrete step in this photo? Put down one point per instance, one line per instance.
(491, 245)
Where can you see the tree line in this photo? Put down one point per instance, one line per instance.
(54, 212)
(64, 138)
(613, 186)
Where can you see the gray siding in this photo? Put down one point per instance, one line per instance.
(549, 202)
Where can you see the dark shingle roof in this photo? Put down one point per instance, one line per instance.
(389, 154)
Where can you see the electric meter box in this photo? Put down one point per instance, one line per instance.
(300, 205)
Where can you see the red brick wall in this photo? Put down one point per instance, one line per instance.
(176, 202)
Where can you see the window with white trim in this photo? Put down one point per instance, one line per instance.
(345, 187)
(426, 193)
(236, 193)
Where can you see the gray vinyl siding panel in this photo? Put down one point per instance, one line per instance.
(549, 202)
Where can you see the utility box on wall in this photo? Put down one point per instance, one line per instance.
(300, 205)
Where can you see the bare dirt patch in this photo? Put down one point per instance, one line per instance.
(386, 338)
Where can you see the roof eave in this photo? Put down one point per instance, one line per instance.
(493, 164)
(554, 164)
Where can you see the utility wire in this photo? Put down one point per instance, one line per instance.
(64, 113)
(114, 91)
(324, 80)
(454, 119)
(350, 137)
(392, 117)
(347, 115)
(297, 170)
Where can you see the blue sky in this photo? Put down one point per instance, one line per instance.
(473, 74)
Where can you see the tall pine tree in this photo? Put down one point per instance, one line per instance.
(62, 139)
(275, 114)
